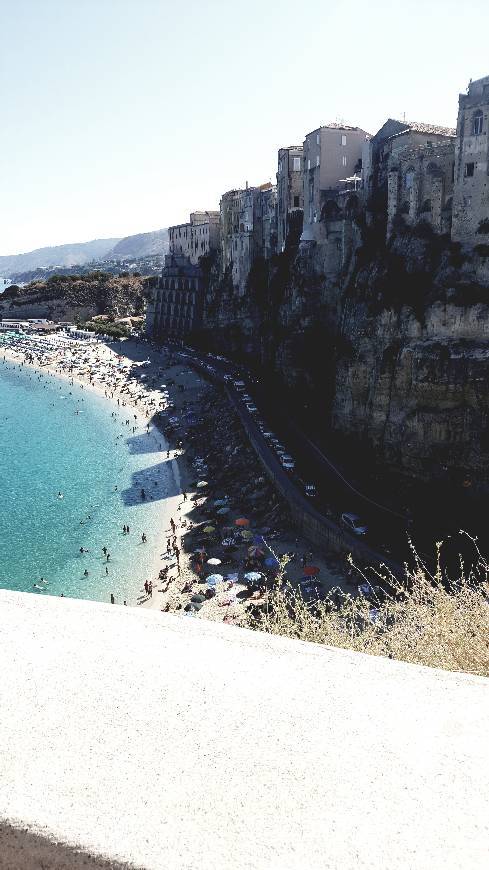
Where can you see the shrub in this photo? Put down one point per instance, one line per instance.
(424, 620)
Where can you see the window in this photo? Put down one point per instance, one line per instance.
(296, 201)
(469, 170)
(317, 138)
(297, 164)
(308, 164)
(317, 159)
(343, 160)
(409, 179)
(343, 140)
(477, 123)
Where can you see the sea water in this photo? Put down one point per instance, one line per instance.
(61, 439)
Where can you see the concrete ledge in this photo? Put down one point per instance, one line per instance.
(169, 742)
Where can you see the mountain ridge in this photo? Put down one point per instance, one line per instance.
(81, 253)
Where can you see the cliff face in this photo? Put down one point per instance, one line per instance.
(390, 342)
(413, 378)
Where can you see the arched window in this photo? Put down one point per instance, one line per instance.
(477, 122)
(409, 179)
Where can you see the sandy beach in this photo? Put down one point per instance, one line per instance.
(218, 483)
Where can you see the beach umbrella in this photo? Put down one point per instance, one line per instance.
(246, 534)
(209, 529)
(253, 576)
(310, 570)
(213, 561)
(242, 521)
(223, 511)
(258, 540)
(271, 562)
(220, 502)
(201, 484)
(214, 579)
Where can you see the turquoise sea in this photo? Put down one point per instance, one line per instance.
(47, 448)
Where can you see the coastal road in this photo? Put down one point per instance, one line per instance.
(320, 470)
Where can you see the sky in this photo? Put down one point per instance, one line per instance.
(122, 116)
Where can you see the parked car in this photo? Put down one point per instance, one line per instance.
(354, 524)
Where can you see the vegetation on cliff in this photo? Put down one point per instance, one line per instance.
(96, 292)
(424, 620)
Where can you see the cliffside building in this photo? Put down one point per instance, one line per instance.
(331, 154)
(470, 222)
(408, 170)
(248, 230)
(196, 238)
(420, 186)
(290, 189)
(175, 308)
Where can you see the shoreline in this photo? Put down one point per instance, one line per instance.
(172, 505)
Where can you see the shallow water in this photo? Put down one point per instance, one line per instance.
(46, 448)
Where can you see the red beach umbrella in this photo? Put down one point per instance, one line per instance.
(310, 570)
(242, 521)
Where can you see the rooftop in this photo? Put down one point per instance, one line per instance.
(176, 743)
(429, 129)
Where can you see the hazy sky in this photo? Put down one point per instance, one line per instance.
(120, 116)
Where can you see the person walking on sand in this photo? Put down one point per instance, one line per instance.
(143, 538)
(184, 495)
(172, 524)
(112, 599)
(168, 546)
(146, 587)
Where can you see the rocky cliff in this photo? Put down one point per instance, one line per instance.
(75, 298)
(388, 342)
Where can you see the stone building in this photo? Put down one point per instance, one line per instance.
(420, 185)
(196, 238)
(290, 189)
(331, 154)
(247, 230)
(176, 304)
(470, 223)
(384, 154)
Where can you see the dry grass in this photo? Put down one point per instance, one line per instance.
(424, 619)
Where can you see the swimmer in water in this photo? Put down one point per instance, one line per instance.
(60, 495)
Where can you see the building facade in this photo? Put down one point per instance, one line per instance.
(290, 189)
(176, 304)
(407, 166)
(198, 237)
(420, 186)
(331, 154)
(248, 220)
(470, 222)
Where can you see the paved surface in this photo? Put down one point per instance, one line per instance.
(174, 743)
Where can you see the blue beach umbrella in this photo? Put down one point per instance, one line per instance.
(214, 579)
(253, 577)
(271, 562)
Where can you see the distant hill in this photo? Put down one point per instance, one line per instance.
(82, 253)
(76, 254)
(141, 245)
